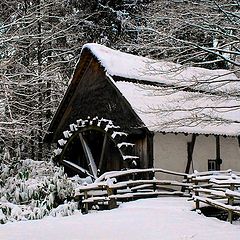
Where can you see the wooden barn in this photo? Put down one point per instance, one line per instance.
(125, 111)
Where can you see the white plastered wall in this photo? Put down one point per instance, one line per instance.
(170, 152)
(230, 153)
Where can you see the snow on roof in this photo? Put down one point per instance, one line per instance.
(172, 109)
(129, 66)
(168, 110)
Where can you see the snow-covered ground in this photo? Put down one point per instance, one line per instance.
(160, 218)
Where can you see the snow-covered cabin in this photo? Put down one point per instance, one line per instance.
(179, 118)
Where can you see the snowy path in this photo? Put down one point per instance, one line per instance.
(149, 219)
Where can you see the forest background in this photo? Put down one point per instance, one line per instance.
(41, 41)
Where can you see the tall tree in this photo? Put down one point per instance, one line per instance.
(40, 42)
(34, 50)
(201, 33)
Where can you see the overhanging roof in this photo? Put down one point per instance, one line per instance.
(172, 98)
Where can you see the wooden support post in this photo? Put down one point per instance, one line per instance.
(88, 154)
(197, 194)
(112, 202)
(85, 204)
(218, 153)
(154, 187)
(190, 148)
(230, 216)
(133, 176)
(102, 153)
(230, 202)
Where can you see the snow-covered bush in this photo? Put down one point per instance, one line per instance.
(34, 189)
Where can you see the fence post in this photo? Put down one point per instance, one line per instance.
(112, 203)
(85, 204)
(196, 194)
(154, 187)
(230, 202)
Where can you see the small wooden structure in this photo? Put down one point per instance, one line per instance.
(124, 111)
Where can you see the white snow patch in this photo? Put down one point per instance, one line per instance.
(118, 133)
(125, 144)
(165, 218)
(62, 142)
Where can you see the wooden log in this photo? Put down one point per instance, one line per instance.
(112, 203)
(196, 194)
(154, 187)
(115, 174)
(230, 202)
(146, 194)
(85, 204)
(96, 199)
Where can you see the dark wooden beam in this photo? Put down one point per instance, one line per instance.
(150, 148)
(218, 153)
(88, 154)
(217, 147)
(190, 148)
(80, 70)
(102, 153)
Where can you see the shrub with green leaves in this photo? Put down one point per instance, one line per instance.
(34, 189)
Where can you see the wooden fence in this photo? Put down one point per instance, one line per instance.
(120, 186)
(216, 188)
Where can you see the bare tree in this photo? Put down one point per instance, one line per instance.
(200, 33)
(192, 33)
(40, 42)
(33, 40)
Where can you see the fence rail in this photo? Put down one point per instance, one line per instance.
(217, 188)
(120, 186)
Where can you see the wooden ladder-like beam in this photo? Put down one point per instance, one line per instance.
(87, 151)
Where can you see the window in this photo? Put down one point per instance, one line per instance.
(212, 165)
